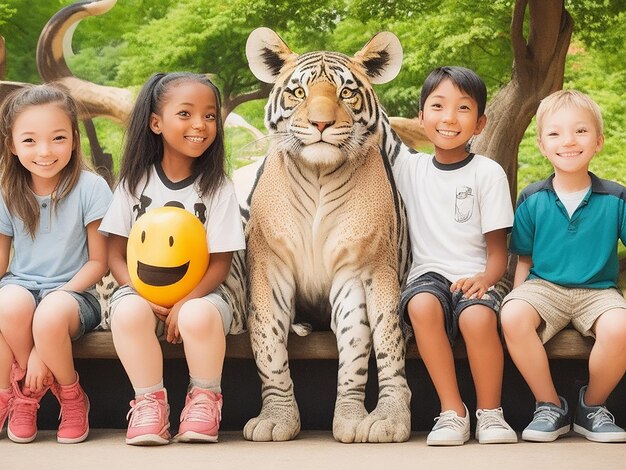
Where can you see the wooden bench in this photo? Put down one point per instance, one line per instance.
(567, 344)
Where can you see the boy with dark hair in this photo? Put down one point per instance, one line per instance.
(459, 210)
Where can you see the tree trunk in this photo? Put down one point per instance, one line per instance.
(538, 68)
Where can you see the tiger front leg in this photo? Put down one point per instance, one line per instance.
(349, 322)
(271, 300)
(390, 421)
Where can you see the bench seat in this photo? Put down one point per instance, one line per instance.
(567, 344)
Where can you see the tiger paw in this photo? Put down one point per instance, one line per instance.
(389, 422)
(276, 422)
(348, 416)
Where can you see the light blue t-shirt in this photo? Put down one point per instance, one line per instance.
(59, 249)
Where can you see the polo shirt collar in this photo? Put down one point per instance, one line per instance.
(597, 184)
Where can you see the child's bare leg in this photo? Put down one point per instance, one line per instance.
(478, 325)
(202, 330)
(519, 325)
(607, 362)
(56, 322)
(133, 326)
(427, 319)
(6, 359)
(17, 308)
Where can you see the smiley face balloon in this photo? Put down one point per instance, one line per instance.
(167, 254)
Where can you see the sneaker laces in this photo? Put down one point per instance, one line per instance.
(546, 413)
(449, 419)
(72, 411)
(24, 410)
(601, 416)
(201, 408)
(144, 412)
(491, 419)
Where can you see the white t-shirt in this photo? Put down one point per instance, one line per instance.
(219, 214)
(571, 201)
(450, 208)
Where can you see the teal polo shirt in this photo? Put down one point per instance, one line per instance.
(580, 251)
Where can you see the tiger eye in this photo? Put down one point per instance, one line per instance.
(347, 93)
(299, 92)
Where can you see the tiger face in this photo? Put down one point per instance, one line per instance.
(322, 109)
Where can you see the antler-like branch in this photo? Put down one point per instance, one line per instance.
(55, 43)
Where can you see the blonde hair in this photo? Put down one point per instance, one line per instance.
(574, 98)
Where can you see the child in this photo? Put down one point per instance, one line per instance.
(174, 155)
(565, 234)
(50, 210)
(459, 209)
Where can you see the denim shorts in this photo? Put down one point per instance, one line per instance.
(452, 303)
(88, 306)
(212, 297)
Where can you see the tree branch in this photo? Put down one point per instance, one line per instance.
(518, 40)
(543, 36)
(232, 103)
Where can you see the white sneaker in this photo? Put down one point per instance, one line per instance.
(491, 428)
(450, 429)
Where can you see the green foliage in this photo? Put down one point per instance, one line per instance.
(6, 12)
(602, 77)
(21, 30)
(139, 37)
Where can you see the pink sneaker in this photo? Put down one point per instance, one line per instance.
(74, 426)
(149, 423)
(6, 398)
(200, 419)
(22, 425)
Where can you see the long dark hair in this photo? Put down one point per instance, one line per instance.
(143, 148)
(14, 178)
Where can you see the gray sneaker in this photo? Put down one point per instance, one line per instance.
(549, 422)
(596, 423)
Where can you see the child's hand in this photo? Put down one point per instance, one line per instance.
(473, 287)
(38, 376)
(160, 311)
(171, 325)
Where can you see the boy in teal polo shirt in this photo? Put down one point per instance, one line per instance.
(565, 235)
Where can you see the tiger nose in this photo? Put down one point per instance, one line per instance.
(322, 106)
(321, 125)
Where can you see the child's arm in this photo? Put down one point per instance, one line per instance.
(5, 253)
(117, 259)
(216, 273)
(497, 253)
(96, 266)
(524, 263)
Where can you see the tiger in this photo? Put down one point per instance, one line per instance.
(327, 239)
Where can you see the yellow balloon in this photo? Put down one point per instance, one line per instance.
(167, 254)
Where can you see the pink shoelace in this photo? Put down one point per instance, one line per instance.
(145, 412)
(202, 408)
(72, 412)
(24, 410)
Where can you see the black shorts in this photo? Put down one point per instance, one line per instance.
(453, 303)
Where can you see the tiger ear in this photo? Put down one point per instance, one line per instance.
(267, 53)
(381, 57)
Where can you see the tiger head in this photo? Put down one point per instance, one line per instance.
(322, 109)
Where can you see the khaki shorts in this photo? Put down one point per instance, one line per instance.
(559, 306)
(212, 297)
